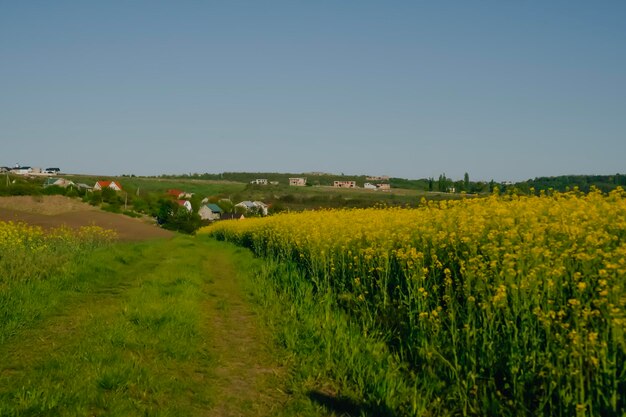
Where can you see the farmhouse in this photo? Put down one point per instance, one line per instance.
(175, 193)
(381, 187)
(114, 185)
(254, 206)
(344, 184)
(210, 212)
(297, 182)
(186, 204)
(21, 170)
(82, 186)
(59, 182)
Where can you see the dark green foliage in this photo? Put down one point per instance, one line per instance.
(604, 183)
(172, 216)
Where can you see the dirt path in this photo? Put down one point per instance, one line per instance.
(249, 377)
(162, 329)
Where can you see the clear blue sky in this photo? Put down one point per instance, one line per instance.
(503, 90)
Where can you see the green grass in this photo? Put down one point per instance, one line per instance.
(160, 328)
(160, 186)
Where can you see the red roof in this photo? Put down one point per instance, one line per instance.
(107, 184)
(174, 192)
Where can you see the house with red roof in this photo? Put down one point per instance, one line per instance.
(114, 185)
(186, 204)
(175, 193)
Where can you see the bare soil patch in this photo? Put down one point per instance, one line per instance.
(54, 211)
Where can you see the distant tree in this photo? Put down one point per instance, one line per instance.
(466, 182)
(95, 198)
(226, 205)
(430, 183)
(71, 192)
(109, 195)
(442, 184)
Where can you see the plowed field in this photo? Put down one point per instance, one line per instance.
(55, 211)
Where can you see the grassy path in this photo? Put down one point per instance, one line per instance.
(162, 329)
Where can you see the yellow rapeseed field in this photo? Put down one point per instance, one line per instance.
(30, 252)
(506, 303)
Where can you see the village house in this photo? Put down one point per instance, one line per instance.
(254, 206)
(175, 193)
(178, 194)
(259, 181)
(18, 170)
(381, 187)
(59, 182)
(210, 212)
(344, 184)
(114, 185)
(297, 182)
(186, 204)
(83, 186)
(381, 178)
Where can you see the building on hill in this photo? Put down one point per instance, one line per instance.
(297, 182)
(114, 185)
(175, 193)
(82, 186)
(186, 204)
(19, 170)
(381, 187)
(51, 171)
(210, 212)
(344, 184)
(254, 207)
(59, 182)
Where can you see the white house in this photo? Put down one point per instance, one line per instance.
(186, 204)
(254, 206)
(21, 170)
(369, 186)
(259, 181)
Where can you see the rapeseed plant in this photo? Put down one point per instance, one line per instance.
(513, 305)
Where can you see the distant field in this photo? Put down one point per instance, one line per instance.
(161, 185)
(54, 211)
